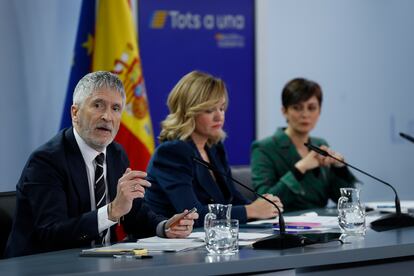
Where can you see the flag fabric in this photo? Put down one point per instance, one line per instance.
(116, 50)
(82, 59)
(107, 41)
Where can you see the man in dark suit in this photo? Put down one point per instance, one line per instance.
(75, 188)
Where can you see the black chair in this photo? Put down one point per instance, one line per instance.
(244, 175)
(7, 208)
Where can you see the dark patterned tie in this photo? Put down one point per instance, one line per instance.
(100, 195)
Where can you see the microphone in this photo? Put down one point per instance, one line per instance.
(277, 241)
(407, 137)
(387, 222)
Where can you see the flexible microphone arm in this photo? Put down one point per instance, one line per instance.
(407, 137)
(282, 240)
(325, 153)
(282, 228)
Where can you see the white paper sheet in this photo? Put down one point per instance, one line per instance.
(312, 221)
(407, 206)
(196, 239)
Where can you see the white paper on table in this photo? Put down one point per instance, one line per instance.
(170, 245)
(157, 244)
(312, 221)
(242, 235)
(317, 223)
(407, 206)
(244, 238)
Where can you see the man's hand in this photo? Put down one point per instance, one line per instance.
(183, 228)
(130, 186)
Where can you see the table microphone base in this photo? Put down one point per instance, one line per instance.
(392, 221)
(278, 241)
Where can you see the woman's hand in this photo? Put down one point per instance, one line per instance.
(183, 227)
(261, 209)
(309, 162)
(328, 161)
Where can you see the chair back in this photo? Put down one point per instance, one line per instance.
(244, 175)
(7, 208)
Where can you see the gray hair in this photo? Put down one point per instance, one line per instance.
(95, 81)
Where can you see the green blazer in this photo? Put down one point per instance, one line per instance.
(273, 160)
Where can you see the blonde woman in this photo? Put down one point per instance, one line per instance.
(194, 127)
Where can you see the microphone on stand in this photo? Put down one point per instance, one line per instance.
(277, 241)
(407, 137)
(387, 222)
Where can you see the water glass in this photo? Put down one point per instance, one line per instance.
(351, 213)
(222, 237)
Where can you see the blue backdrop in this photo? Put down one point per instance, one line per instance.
(178, 36)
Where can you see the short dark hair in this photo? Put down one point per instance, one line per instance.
(300, 90)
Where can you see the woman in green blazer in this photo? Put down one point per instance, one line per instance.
(283, 166)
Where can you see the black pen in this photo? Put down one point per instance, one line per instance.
(131, 256)
(178, 218)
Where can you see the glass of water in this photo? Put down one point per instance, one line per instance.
(351, 213)
(222, 236)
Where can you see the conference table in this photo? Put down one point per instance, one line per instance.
(383, 253)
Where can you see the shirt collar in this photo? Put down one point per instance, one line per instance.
(89, 154)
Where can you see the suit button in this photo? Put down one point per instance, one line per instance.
(211, 200)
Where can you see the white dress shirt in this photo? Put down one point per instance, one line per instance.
(89, 155)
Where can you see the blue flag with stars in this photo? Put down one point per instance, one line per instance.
(82, 60)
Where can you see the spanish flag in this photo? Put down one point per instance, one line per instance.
(116, 50)
(112, 46)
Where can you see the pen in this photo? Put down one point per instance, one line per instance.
(288, 231)
(178, 218)
(297, 227)
(131, 256)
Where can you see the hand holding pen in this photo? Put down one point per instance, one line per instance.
(181, 225)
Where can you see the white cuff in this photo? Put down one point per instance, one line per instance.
(103, 221)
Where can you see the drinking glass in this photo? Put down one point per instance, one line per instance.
(351, 213)
(222, 236)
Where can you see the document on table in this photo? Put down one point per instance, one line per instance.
(309, 224)
(310, 221)
(157, 244)
(304, 224)
(407, 206)
(244, 238)
(250, 238)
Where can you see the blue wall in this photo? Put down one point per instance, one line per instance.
(187, 42)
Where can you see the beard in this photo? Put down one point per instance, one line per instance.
(92, 137)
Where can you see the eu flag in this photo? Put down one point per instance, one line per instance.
(82, 60)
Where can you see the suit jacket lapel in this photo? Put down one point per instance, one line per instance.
(217, 162)
(285, 148)
(287, 151)
(78, 172)
(205, 179)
